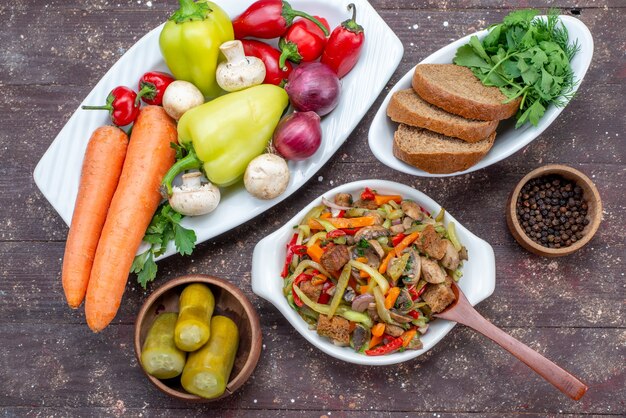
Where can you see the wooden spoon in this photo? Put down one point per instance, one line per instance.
(462, 312)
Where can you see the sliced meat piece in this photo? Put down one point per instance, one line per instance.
(431, 243)
(336, 328)
(371, 232)
(451, 259)
(366, 204)
(312, 291)
(335, 257)
(397, 229)
(438, 296)
(393, 330)
(431, 271)
(343, 199)
(412, 209)
(407, 222)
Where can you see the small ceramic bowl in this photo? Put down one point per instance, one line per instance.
(229, 301)
(590, 195)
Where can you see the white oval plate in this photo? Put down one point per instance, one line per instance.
(478, 281)
(58, 172)
(509, 140)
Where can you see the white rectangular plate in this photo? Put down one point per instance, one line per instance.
(508, 140)
(58, 172)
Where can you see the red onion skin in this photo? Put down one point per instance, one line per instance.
(313, 87)
(298, 135)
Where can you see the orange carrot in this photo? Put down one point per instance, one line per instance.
(392, 295)
(326, 215)
(397, 251)
(407, 336)
(100, 174)
(378, 330)
(382, 199)
(374, 341)
(315, 252)
(344, 223)
(318, 279)
(136, 199)
(383, 266)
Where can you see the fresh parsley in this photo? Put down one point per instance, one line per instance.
(525, 57)
(361, 246)
(164, 227)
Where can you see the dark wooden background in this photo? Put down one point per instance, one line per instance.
(570, 309)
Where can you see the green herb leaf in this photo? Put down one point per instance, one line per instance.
(148, 271)
(184, 239)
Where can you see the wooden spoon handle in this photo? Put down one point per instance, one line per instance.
(560, 378)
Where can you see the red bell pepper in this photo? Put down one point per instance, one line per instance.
(351, 231)
(274, 74)
(121, 104)
(414, 314)
(335, 234)
(303, 42)
(368, 194)
(324, 296)
(344, 45)
(388, 348)
(301, 278)
(152, 86)
(397, 239)
(289, 256)
(341, 213)
(268, 19)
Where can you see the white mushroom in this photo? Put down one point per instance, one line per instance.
(194, 198)
(238, 72)
(179, 97)
(267, 176)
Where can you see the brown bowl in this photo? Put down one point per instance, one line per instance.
(230, 302)
(590, 195)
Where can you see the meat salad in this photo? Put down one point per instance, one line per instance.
(369, 273)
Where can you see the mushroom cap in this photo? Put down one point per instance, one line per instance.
(267, 176)
(193, 198)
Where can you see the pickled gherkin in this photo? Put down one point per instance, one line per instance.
(159, 356)
(207, 371)
(196, 308)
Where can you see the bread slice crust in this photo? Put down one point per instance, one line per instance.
(422, 152)
(457, 90)
(407, 107)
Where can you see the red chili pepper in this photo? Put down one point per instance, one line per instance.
(335, 234)
(268, 19)
(422, 290)
(299, 249)
(413, 292)
(344, 45)
(414, 314)
(301, 278)
(274, 74)
(121, 106)
(303, 42)
(351, 231)
(368, 194)
(324, 296)
(152, 86)
(397, 239)
(388, 348)
(341, 213)
(289, 256)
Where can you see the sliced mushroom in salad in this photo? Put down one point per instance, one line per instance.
(369, 273)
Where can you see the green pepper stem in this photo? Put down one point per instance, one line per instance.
(289, 14)
(351, 24)
(103, 107)
(147, 90)
(190, 162)
(288, 51)
(190, 10)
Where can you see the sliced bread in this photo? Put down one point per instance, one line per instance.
(436, 153)
(407, 107)
(456, 89)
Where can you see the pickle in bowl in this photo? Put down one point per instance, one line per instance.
(160, 357)
(193, 327)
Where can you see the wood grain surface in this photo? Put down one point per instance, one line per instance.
(571, 310)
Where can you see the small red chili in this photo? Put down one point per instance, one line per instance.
(268, 19)
(274, 74)
(368, 194)
(303, 42)
(299, 249)
(351, 231)
(344, 45)
(335, 234)
(152, 86)
(324, 296)
(414, 314)
(341, 214)
(121, 106)
(397, 239)
(301, 278)
(388, 348)
(289, 256)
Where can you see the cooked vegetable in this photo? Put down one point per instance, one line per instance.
(298, 135)
(207, 370)
(194, 198)
(181, 96)
(190, 42)
(102, 166)
(121, 104)
(304, 41)
(239, 71)
(526, 57)
(225, 134)
(152, 86)
(313, 87)
(135, 200)
(267, 176)
(274, 74)
(268, 19)
(196, 306)
(344, 46)
(371, 282)
(159, 355)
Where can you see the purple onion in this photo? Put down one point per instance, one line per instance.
(298, 135)
(313, 87)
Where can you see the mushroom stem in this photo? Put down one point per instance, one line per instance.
(233, 51)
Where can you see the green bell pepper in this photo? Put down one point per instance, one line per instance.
(190, 42)
(225, 134)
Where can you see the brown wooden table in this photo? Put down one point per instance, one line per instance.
(570, 309)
